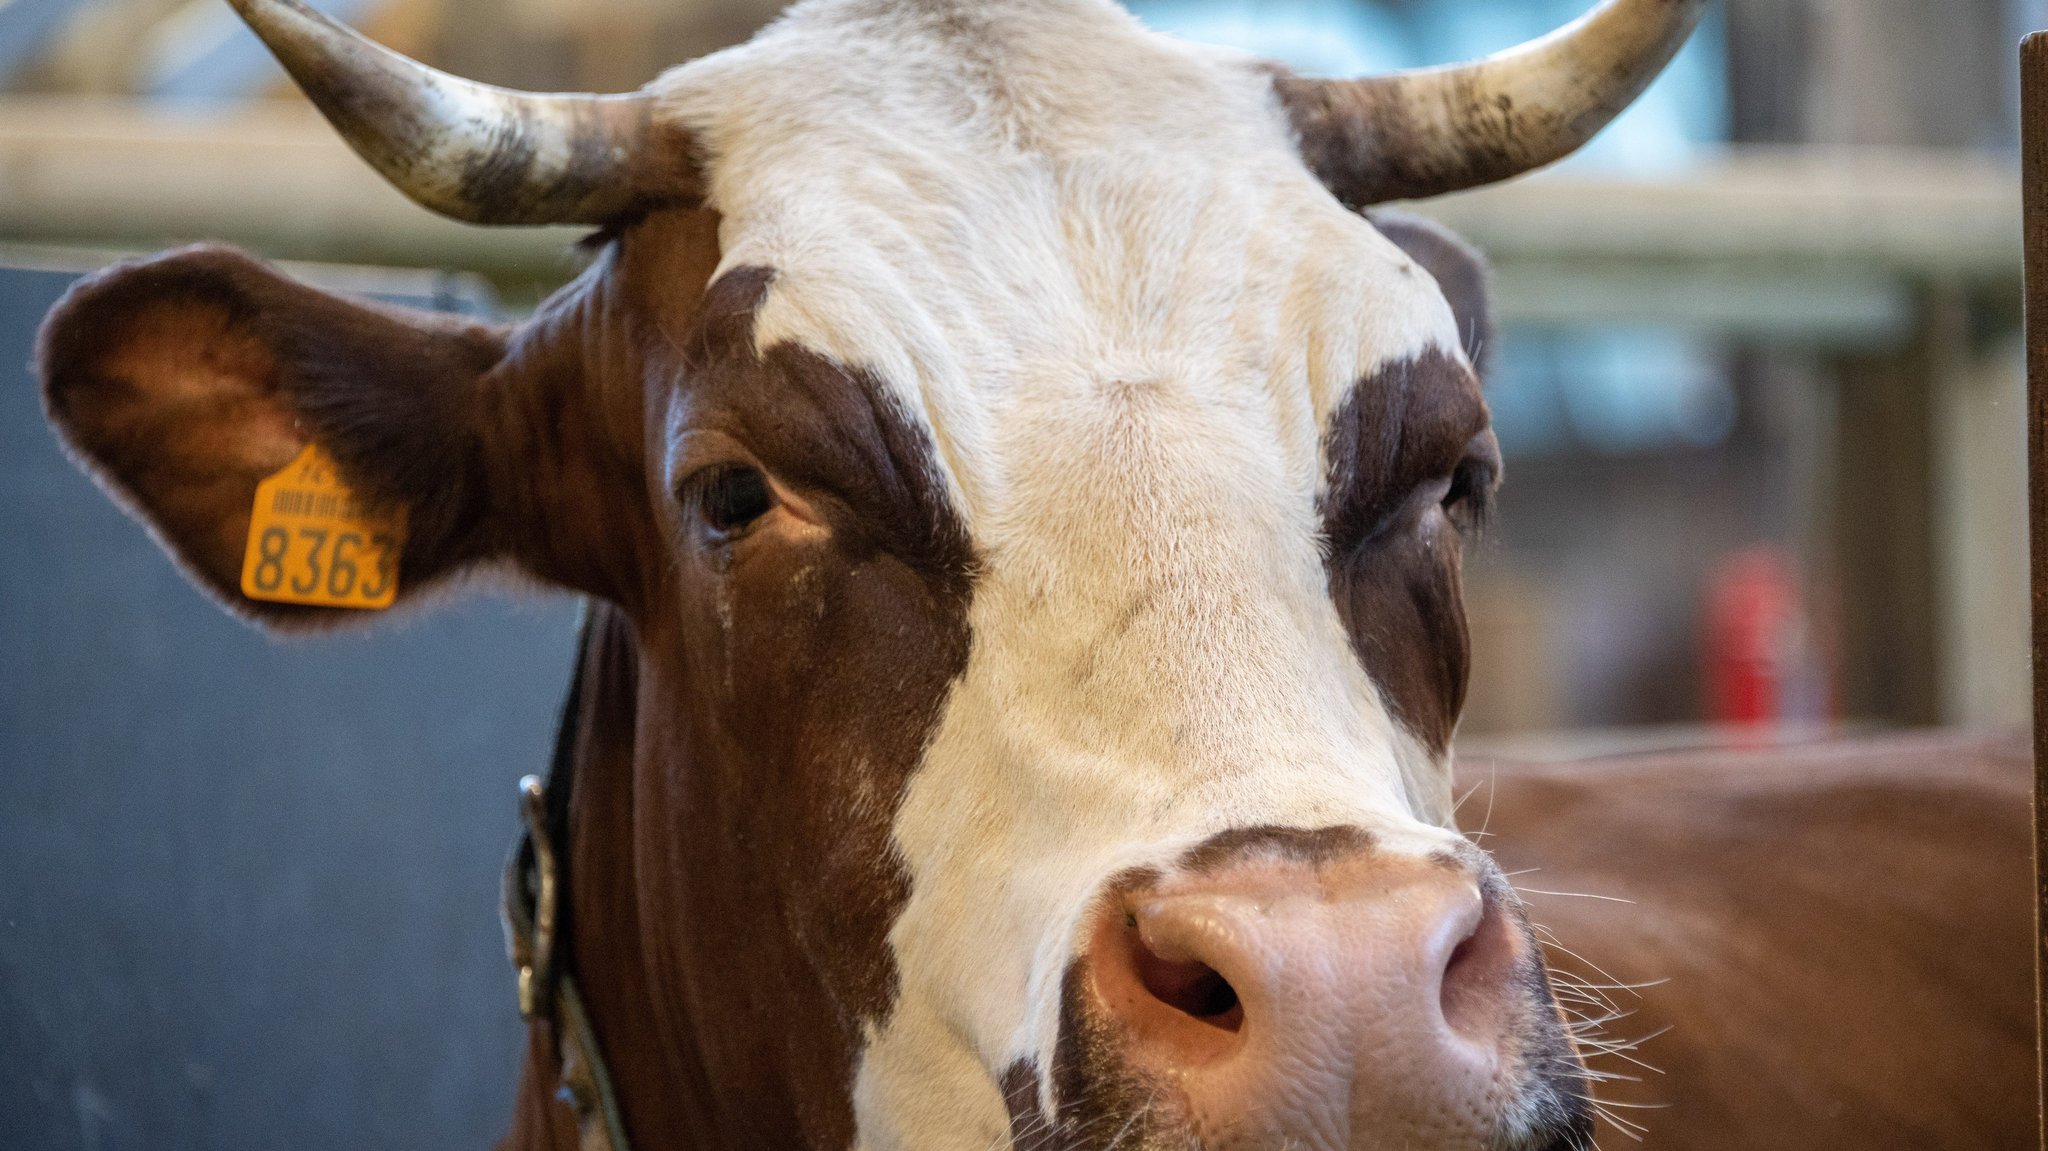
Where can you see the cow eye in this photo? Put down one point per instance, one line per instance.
(733, 499)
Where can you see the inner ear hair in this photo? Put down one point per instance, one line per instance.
(183, 380)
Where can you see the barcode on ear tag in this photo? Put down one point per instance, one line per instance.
(311, 541)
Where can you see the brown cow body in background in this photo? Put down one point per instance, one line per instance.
(1837, 939)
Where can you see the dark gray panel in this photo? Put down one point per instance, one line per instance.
(249, 894)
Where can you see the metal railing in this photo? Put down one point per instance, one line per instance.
(2034, 149)
(1772, 243)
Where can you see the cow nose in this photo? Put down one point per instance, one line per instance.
(1291, 1001)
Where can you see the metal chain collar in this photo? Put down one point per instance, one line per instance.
(534, 901)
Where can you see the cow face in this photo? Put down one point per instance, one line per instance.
(1033, 504)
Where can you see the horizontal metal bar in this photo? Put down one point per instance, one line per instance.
(1774, 244)
(1923, 212)
(1860, 305)
(275, 178)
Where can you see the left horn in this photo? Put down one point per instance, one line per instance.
(1412, 135)
(476, 152)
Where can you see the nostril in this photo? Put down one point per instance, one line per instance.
(1188, 986)
(1479, 972)
(1460, 954)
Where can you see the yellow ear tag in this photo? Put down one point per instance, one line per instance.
(311, 541)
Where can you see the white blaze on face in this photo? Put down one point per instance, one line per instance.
(1089, 260)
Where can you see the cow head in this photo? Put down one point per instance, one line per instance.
(1028, 498)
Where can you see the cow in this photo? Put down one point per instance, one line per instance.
(1022, 489)
(1828, 945)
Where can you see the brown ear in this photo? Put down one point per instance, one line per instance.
(183, 380)
(1460, 272)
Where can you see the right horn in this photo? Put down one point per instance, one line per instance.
(1411, 135)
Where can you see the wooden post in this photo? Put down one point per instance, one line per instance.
(2034, 150)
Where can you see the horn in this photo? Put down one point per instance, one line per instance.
(476, 152)
(1416, 134)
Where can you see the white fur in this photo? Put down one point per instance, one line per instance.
(1090, 260)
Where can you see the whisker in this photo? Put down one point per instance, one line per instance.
(1459, 802)
(1492, 792)
(1575, 895)
(1633, 1130)
(1621, 1050)
(1629, 1127)
(1551, 940)
(1585, 984)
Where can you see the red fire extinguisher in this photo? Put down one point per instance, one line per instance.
(1760, 668)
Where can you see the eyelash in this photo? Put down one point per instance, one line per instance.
(1469, 500)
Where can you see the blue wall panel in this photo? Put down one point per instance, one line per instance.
(248, 887)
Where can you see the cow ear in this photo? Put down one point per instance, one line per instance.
(182, 381)
(1460, 272)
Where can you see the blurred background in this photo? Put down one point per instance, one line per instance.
(1758, 383)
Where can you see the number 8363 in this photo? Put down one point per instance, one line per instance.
(323, 566)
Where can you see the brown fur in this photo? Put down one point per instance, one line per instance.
(1394, 572)
(1314, 848)
(1845, 932)
(736, 845)
(1394, 554)
(798, 682)
(754, 705)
